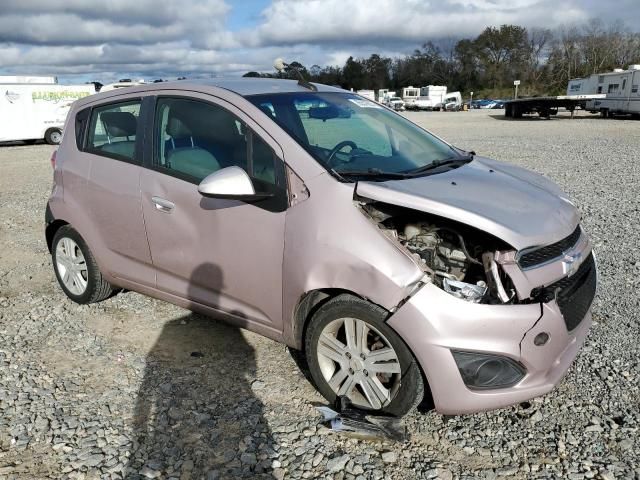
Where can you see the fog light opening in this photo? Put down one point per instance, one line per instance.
(485, 371)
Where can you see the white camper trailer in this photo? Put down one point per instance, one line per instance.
(409, 96)
(35, 111)
(370, 94)
(582, 86)
(121, 84)
(435, 93)
(621, 87)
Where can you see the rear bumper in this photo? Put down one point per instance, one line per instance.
(433, 323)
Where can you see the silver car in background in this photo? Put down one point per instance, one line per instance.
(401, 265)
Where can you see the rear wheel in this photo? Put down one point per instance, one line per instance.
(76, 269)
(352, 352)
(53, 136)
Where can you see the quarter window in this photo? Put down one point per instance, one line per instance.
(113, 129)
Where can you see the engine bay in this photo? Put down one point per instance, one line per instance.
(457, 258)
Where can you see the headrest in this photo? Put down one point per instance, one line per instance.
(177, 129)
(119, 124)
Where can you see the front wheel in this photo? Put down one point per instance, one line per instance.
(352, 352)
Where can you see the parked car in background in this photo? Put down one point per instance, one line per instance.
(424, 103)
(363, 240)
(396, 103)
(452, 102)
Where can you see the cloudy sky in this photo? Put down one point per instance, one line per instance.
(80, 40)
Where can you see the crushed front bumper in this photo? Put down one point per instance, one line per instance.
(433, 323)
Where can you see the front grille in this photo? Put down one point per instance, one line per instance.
(549, 252)
(575, 294)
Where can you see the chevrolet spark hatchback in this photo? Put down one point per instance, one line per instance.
(397, 262)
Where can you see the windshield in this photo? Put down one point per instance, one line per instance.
(348, 134)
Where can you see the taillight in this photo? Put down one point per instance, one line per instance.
(53, 158)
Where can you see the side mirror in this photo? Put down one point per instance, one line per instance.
(231, 183)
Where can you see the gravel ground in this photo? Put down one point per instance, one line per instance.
(136, 388)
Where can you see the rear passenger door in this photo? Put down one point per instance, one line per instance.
(220, 253)
(114, 224)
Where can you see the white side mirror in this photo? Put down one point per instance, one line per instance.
(230, 182)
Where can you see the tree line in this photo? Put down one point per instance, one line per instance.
(542, 59)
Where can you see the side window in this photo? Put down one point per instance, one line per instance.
(195, 139)
(112, 130)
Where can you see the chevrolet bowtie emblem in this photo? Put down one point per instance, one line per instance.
(571, 261)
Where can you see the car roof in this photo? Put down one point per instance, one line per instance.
(242, 86)
(255, 86)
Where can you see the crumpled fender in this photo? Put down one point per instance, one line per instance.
(329, 243)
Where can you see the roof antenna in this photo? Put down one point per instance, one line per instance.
(279, 65)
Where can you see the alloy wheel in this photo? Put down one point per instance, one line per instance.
(71, 266)
(357, 361)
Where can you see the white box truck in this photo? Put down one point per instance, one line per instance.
(30, 110)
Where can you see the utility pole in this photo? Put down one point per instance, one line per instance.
(471, 102)
(516, 83)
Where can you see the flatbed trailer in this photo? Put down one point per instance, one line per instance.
(547, 106)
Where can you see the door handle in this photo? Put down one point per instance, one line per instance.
(163, 205)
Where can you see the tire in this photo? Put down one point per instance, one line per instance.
(402, 388)
(69, 250)
(53, 136)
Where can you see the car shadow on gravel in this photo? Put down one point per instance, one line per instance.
(196, 416)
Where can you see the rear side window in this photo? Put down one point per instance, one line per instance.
(112, 130)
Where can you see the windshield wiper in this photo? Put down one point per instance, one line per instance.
(439, 163)
(372, 172)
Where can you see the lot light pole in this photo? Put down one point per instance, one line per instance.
(471, 102)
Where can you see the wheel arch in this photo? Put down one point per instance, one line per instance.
(308, 304)
(51, 229)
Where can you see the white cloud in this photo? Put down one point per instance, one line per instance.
(355, 21)
(165, 38)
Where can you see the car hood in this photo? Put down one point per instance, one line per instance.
(518, 206)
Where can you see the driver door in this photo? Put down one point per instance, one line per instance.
(220, 253)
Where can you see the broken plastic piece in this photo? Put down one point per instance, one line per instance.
(466, 291)
(360, 424)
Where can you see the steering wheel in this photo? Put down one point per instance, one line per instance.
(337, 148)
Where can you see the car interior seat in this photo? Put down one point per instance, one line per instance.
(121, 132)
(190, 158)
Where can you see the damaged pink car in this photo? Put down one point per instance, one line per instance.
(401, 265)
